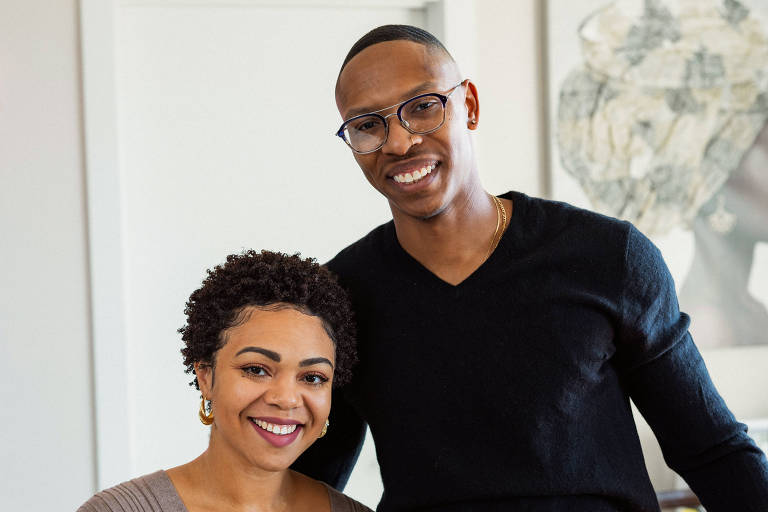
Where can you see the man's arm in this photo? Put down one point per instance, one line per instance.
(667, 379)
(700, 438)
(332, 457)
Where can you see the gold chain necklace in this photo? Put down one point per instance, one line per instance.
(501, 225)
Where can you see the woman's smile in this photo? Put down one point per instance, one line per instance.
(277, 434)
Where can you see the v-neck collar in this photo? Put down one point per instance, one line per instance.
(404, 258)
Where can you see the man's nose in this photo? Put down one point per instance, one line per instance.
(399, 140)
(283, 393)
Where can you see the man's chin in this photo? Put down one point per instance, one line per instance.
(432, 215)
(422, 214)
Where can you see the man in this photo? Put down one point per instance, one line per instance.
(500, 339)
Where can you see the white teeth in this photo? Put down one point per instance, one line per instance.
(279, 430)
(414, 176)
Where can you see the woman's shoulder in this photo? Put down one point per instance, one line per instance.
(149, 493)
(343, 503)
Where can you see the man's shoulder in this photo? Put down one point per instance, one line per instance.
(548, 217)
(362, 254)
(602, 240)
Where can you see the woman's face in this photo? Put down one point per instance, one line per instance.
(271, 387)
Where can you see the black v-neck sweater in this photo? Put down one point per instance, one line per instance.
(511, 390)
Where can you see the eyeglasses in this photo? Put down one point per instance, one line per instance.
(424, 113)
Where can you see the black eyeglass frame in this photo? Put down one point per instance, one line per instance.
(442, 97)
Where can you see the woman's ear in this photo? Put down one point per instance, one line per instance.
(204, 374)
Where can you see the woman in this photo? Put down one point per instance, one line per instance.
(267, 337)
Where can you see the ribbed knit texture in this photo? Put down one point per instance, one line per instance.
(148, 493)
(511, 390)
(155, 493)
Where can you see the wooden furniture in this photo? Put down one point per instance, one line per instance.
(671, 499)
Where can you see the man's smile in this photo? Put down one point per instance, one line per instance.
(414, 175)
(409, 173)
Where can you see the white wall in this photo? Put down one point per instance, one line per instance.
(46, 416)
(508, 71)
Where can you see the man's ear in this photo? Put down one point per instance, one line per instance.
(204, 374)
(472, 104)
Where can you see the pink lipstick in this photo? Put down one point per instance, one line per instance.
(278, 432)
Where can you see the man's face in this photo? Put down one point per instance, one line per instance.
(386, 74)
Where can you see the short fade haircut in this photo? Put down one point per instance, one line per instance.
(386, 33)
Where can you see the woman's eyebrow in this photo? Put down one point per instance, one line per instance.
(315, 360)
(269, 353)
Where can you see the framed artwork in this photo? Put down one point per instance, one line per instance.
(659, 115)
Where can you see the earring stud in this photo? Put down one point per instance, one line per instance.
(325, 429)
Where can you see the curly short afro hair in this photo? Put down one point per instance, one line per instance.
(264, 279)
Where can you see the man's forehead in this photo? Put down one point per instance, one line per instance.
(389, 72)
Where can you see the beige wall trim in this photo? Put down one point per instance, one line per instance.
(367, 4)
(113, 440)
(545, 132)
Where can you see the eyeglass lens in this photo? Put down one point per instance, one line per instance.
(419, 115)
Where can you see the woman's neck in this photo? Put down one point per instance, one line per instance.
(220, 479)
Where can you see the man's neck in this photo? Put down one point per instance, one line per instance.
(455, 242)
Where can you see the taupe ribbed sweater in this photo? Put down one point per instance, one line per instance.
(156, 493)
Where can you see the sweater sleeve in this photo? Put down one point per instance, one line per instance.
(149, 493)
(666, 378)
(332, 457)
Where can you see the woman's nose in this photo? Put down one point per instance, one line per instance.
(283, 393)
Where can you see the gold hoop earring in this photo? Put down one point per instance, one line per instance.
(325, 429)
(206, 418)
